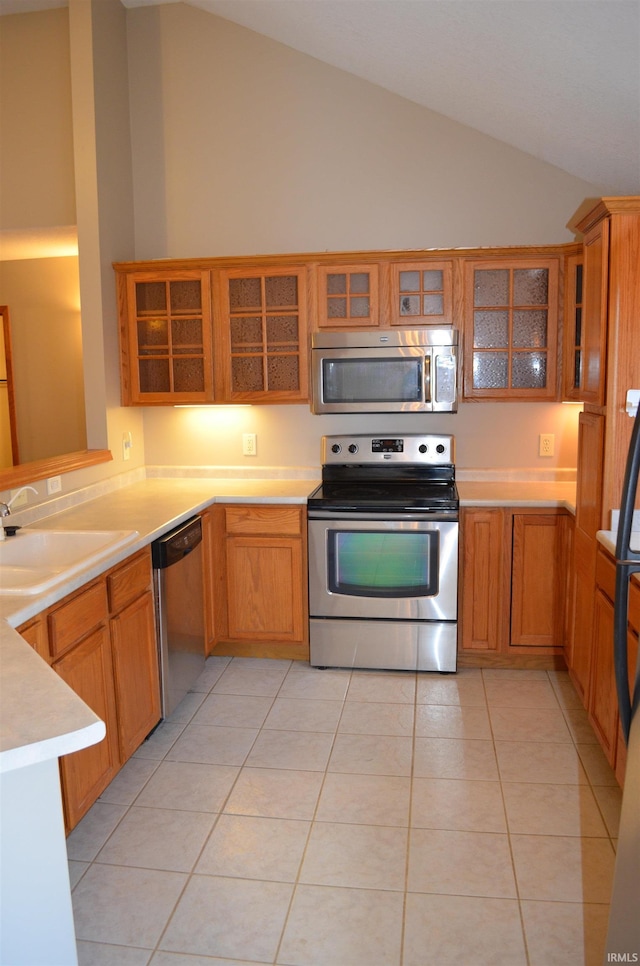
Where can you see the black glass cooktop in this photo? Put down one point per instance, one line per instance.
(381, 497)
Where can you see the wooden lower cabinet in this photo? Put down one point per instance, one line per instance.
(538, 580)
(101, 640)
(482, 579)
(208, 575)
(134, 650)
(513, 586)
(262, 584)
(602, 700)
(87, 670)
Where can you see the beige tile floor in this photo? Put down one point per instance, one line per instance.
(353, 818)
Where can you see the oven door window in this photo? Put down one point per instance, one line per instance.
(373, 380)
(382, 563)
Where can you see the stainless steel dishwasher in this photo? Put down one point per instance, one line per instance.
(177, 578)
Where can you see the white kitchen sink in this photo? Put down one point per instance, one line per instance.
(32, 561)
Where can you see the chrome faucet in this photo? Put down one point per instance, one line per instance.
(5, 508)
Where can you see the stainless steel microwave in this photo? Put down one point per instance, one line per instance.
(385, 371)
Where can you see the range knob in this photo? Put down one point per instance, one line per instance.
(353, 447)
(422, 448)
(440, 448)
(336, 448)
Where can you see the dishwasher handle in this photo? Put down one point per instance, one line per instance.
(176, 544)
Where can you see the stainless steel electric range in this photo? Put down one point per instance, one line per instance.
(383, 554)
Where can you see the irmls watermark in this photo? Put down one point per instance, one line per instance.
(623, 957)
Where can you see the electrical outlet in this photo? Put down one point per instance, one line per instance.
(547, 444)
(249, 444)
(54, 485)
(127, 443)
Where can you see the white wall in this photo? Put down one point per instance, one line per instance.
(242, 145)
(46, 338)
(487, 436)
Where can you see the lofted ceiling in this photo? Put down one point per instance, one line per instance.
(559, 79)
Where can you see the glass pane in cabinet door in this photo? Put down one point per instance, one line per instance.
(359, 307)
(577, 369)
(337, 308)
(188, 375)
(578, 335)
(410, 305)
(337, 284)
(153, 332)
(185, 296)
(282, 330)
(490, 370)
(433, 305)
(530, 328)
(410, 281)
(578, 284)
(281, 290)
(283, 373)
(529, 370)
(490, 330)
(154, 375)
(246, 333)
(359, 283)
(432, 280)
(247, 374)
(530, 286)
(245, 293)
(151, 297)
(491, 287)
(186, 332)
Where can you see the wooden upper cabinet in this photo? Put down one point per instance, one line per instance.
(261, 335)
(348, 296)
(165, 337)
(511, 329)
(422, 293)
(593, 335)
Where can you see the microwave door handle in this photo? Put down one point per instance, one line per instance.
(427, 378)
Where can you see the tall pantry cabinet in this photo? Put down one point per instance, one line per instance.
(610, 366)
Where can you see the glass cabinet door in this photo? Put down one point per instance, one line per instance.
(421, 293)
(263, 328)
(574, 345)
(170, 338)
(511, 325)
(348, 296)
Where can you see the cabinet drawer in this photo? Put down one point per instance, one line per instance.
(606, 575)
(129, 581)
(73, 620)
(270, 520)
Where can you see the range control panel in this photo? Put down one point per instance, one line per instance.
(412, 448)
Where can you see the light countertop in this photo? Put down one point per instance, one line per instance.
(42, 717)
(517, 493)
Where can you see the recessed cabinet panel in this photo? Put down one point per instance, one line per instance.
(511, 323)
